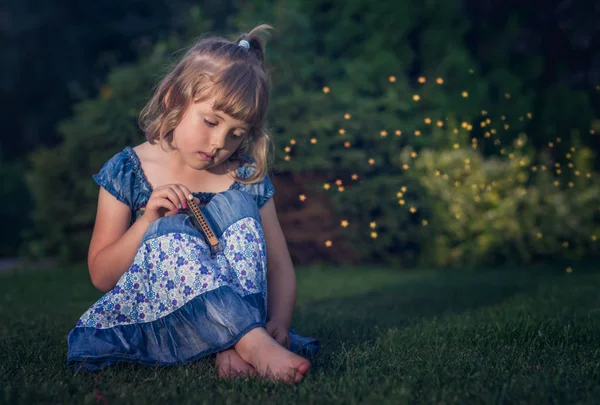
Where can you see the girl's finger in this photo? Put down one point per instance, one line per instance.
(165, 203)
(172, 195)
(182, 192)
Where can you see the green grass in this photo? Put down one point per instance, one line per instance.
(513, 335)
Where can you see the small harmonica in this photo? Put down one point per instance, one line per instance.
(202, 224)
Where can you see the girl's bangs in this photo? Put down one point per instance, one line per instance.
(240, 93)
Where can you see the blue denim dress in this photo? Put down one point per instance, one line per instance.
(178, 301)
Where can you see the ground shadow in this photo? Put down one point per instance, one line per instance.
(361, 319)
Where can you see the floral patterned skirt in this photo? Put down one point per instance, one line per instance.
(179, 302)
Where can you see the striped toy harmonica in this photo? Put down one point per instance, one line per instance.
(202, 224)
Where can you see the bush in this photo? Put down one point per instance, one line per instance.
(362, 124)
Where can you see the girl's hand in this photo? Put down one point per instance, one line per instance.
(165, 201)
(279, 332)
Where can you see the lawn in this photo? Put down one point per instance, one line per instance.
(501, 336)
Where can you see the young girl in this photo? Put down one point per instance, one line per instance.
(170, 298)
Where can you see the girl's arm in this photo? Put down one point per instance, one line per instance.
(281, 277)
(114, 244)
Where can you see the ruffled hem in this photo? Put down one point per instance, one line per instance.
(206, 325)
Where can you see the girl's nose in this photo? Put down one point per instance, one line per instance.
(218, 139)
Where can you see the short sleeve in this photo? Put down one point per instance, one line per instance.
(264, 191)
(261, 191)
(117, 177)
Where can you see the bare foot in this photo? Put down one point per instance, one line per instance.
(270, 359)
(231, 365)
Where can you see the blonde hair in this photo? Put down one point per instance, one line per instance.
(234, 76)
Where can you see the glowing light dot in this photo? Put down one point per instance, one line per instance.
(588, 175)
(437, 173)
(573, 149)
(506, 126)
(577, 172)
(373, 225)
(413, 155)
(507, 95)
(570, 165)
(313, 140)
(338, 182)
(344, 223)
(440, 124)
(427, 121)
(422, 79)
(539, 235)
(341, 189)
(569, 269)
(401, 202)
(558, 140)
(347, 144)
(398, 132)
(355, 176)
(383, 133)
(439, 80)
(326, 186)
(371, 161)
(416, 97)
(571, 184)
(455, 131)
(417, 133)
(465, 94)
(287, 149)
(302, 197)
(456, 146)
(405, 166)
(529, 115)
(594, 237)
(347, 116)
(568, 156)
(293, 142)
(550, 144)
(471, 71)
(342, 131)
(287, 157)
(484, 112)
(374, 235)
(556, 183)
(326, 89)
(565, 244)
(328, 243)
(392, 79)
(399, 194)
(425, 222)
(412, 210)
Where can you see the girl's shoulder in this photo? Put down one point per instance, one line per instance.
(121, 176)
(263, 189)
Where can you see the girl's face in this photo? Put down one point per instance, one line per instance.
(206, 138)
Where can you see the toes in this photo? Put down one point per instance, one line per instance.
(304, 367)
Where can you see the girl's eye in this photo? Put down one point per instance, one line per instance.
(210, 123)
